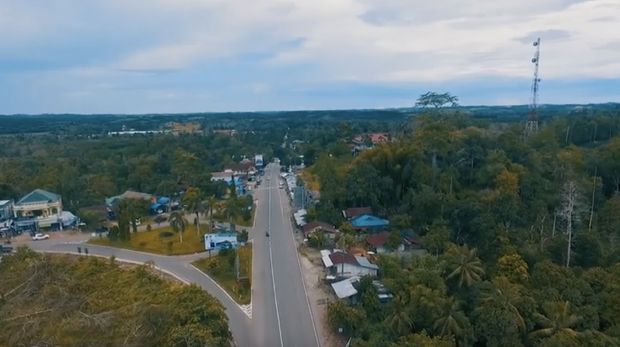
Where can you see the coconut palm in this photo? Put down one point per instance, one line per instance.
(453, 321)
(194, 205)
(467, 267)
(211, 203)
(557, 319)
(399, 320)
(504, 294)
(177, 223)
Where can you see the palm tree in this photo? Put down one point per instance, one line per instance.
(557, 319)
(399, 320)
(453, 321)
(194, 205)
(467, 266)
(211, 202)
(177, 223)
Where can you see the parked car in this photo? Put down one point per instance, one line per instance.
(39, 236)
(5, 249)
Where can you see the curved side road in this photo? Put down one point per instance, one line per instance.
(177, 266)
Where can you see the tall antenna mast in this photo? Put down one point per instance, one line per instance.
(531, 126)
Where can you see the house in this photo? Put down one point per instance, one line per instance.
(300, 217)
(378, 138)
(220, 240)
(348, 265)
(312, 227)
(6, 209)
(369, 222)
(344, 289)
(226, 132)
(377, 242)
(353, 212)
(39, 209)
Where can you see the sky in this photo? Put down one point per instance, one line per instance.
(172, 56)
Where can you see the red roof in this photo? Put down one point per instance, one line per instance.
(377, 138)
(356, 211)
(378, 240)
(342, 258)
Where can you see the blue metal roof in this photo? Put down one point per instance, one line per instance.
(369, 221)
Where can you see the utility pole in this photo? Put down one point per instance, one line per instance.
(531, 126)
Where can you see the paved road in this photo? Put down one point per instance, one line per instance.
(281, 314)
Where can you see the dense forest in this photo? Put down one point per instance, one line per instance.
(522, 233)
(68, 301)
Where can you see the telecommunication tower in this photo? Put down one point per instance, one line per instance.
(531, 126)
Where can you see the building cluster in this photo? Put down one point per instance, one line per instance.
(36, 211)
(367, 141)
(244, 175)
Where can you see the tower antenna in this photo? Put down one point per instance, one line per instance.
(531, 126)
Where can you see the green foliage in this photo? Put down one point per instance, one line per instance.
(69, 301)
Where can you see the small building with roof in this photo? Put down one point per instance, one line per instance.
(220, 240)
(347, 265)
(378, 243)
(353, 212)
(369, 222)
(314, 226)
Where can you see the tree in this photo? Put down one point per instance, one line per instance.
(453, 322)
(193, 200)
(557, 319)
(437, 100)
(569, 199)
(513, 267)
(212, 204)
(177, 223)
(399, 320)
(465, 265)
(437, 238)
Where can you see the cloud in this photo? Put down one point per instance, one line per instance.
(217, 51)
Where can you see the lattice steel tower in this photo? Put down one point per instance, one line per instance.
(531, 126)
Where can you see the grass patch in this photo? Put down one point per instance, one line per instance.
(222, 269)
(160, 241)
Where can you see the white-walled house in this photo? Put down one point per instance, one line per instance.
(6, 209)
(44, 207)
(348, 265)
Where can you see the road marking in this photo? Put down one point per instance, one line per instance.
(303, 280)
(273, 278)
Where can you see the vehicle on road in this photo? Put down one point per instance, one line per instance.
(40, 236)
(281, 185)
(267, 233)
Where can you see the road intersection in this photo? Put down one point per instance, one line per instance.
(280, 313)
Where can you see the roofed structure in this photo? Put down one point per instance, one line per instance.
(353, 212)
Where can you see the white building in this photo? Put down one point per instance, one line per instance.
(43, 207)
(220, 241)
(347, 265)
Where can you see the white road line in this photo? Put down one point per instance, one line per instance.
(273, 278)
(301, 273)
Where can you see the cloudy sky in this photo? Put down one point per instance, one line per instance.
(138, 56)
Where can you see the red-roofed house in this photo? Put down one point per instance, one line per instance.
(348, 265)
(378, 241)
(377, 138)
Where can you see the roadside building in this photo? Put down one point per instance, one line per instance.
(220, 240)
(329, 230)
(39, 209)
(348, 265)
(6, 209)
